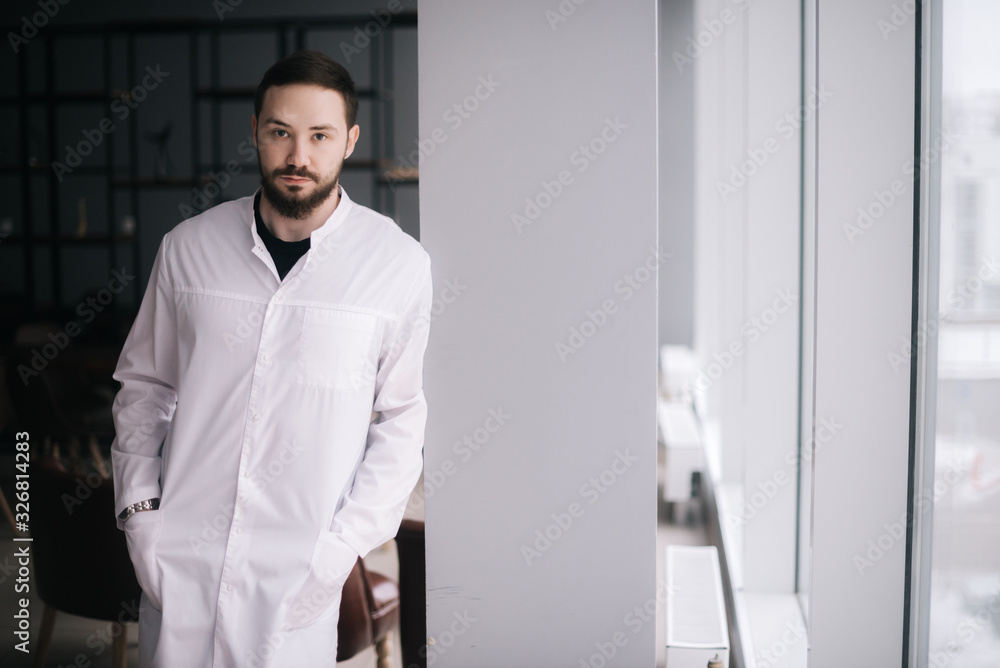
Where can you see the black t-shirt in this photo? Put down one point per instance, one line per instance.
(284, 253)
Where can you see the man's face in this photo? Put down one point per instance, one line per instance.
(302, 140)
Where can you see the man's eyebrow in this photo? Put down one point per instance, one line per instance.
(275, 121)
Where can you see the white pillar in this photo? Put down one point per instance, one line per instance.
(538, 203)
(864, 287)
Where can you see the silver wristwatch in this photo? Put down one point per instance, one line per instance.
(148, 504)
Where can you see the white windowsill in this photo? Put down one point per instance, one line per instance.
(770, 626)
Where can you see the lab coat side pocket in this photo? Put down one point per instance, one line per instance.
(320, 596)
(142, 531)
(336, 350)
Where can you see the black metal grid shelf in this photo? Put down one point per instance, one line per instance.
(291, 35)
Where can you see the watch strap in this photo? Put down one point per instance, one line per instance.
(148, 504)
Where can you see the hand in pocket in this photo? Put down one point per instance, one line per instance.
(331, 564)
(141, 533)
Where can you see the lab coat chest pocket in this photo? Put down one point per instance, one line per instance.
(336, 351)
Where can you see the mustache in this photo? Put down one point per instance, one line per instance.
(298, 172)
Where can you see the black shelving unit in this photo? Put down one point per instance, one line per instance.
(48, 234)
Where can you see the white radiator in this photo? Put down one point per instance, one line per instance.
(678, 372)
(697, 631)
(684, 452)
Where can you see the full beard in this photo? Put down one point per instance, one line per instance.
(295, 208)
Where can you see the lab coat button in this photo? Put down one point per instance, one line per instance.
(256, 417)
(229, 587)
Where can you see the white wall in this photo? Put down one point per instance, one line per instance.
(494, 346)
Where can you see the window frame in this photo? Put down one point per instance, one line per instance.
(856, 145)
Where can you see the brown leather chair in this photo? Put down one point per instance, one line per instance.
(369, 610)
(81, 561)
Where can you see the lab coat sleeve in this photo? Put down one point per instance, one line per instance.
(393, 459)
(144, 406)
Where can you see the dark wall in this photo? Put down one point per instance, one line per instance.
(78, 62)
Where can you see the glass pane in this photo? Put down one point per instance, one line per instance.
(964, 629)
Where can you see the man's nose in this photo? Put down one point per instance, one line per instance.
(298, 156)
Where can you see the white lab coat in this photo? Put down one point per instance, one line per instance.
(272, 476)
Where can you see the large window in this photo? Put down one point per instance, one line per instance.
(805, 120)
(960, 586)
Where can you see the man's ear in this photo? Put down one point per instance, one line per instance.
(352, 139)
(253, 129)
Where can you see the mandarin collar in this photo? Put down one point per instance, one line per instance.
(320, 233)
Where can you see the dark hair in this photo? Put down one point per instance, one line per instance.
(310, 67)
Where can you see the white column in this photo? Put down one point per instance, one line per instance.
(864, 287)
(538, 204)
(719, 231)
(770, 162)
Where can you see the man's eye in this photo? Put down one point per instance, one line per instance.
(280, 132)
(319, 136)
